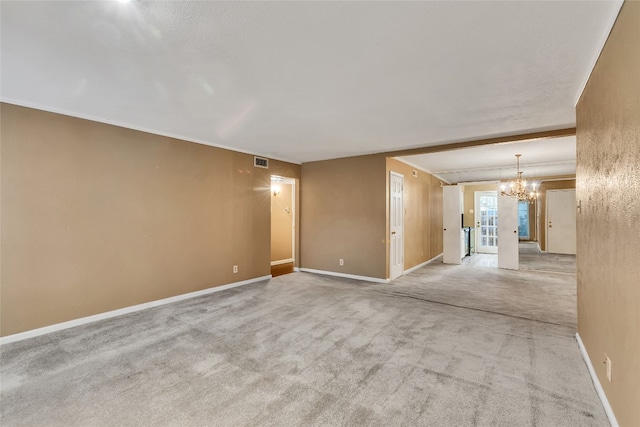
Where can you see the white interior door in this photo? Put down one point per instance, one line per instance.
(508, 256)
(396, 225)
(561, 221)
(486, 216)
(452, 224)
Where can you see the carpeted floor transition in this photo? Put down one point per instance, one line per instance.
(442, 346)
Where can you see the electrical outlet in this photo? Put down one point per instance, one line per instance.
(341, 261)
(235, 268)
(608, 363)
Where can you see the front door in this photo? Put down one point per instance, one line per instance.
(396, 225)
(486, 216)
(561, 221)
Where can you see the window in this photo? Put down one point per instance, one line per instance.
(523, 220)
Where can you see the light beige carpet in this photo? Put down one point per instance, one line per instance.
(444, 346)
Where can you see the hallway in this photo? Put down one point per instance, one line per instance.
(531, 258)
(543, 289)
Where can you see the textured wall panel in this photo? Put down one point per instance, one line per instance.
(608, 226)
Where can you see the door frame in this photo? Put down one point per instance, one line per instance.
(476, 218)
(391, 232)
(292, 182)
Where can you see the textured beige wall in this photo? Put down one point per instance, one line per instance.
(533, 221)
(281, 223)
(608, 185)
(418, 198)
(97, 217)
(343, 216)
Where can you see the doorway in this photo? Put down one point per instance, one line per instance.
(282, 225)
(561, 221)
(396, 225)
(486, 218)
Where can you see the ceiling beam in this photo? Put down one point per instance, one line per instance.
(527, 168)
(558, 133)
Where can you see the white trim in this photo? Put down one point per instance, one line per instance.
(138, 128)
(292, 182)
(611, 22)
(346, 276)
(283, 179)
(474, 183)
(412, 269)
(121, 311)
(596, 383)
(282, 261)
(296, 269)
(567, 178)
(293, 219)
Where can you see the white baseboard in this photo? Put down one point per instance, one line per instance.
(412, 269)
(121, 311)
(346, 276)
(296, 269)
(596, 383)
(282, 261)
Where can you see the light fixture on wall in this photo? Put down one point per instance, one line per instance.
(275, 189)
(519, 188)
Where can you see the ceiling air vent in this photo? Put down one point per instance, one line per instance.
(260, 162)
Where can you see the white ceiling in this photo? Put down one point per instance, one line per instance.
(306, 81)
(540, 158)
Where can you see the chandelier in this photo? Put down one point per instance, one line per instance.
(519, 188)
